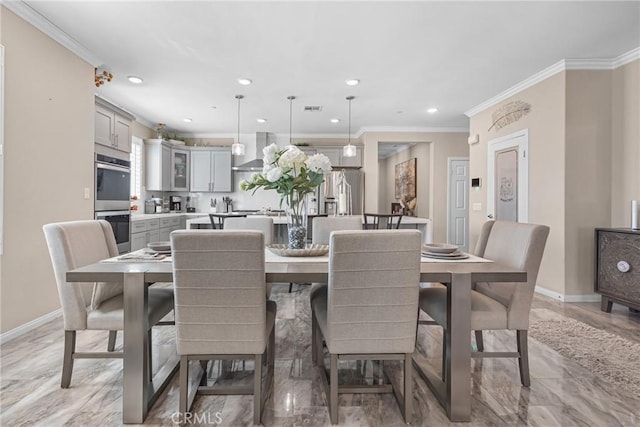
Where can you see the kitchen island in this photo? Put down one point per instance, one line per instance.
(425, 225)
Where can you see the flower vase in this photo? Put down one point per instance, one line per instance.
(297, 222)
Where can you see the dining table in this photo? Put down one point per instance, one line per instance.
(140, 391)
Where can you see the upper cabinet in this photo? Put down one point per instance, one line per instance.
(180, 169)
(211, 170)
(112, 126)
(158, 161)
(338, 160)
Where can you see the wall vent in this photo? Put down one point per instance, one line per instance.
(313, 108)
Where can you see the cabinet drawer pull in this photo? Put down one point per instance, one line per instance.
(623, 266)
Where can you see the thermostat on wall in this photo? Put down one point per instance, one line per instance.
(475, 183)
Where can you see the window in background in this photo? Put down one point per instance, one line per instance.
(136, 172)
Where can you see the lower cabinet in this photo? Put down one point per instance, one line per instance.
(618, 267)
(147, 231)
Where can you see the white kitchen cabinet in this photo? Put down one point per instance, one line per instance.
(138, 241)
(158, 165)
(147, 231)
(211, 170)
(112, 126)
(179, 169)
(338, 160)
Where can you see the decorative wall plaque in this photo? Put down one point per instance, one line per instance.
(509, 113)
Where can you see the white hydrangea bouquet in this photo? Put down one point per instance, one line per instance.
(293, 175)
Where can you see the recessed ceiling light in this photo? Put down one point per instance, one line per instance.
(187, 119)
(244, 81)
(261, 120)
(352, 82)
(213, 107)
(335, 120)
(135, 79)
(432, 110)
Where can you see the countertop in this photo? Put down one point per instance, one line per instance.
(143, 216)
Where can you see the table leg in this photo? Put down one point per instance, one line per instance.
(458, 347)
(135, 392)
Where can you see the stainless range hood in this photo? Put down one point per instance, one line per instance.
(262, 140)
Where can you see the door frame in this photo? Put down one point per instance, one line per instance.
(519, 139)
(450, 160)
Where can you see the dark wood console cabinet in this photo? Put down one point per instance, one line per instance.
(618, 267)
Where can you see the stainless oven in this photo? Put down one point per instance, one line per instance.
(113, 183)
(121, 223)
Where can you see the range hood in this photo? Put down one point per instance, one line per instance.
(262, 140)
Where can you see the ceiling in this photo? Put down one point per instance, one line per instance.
(408, 56)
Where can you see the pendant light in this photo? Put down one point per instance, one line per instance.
(237, 148)
(349, 150)
(290, 98)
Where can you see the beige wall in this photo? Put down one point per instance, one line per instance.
(387, 171)
(441, 146)
(49, 96)
(625, 138)
(546, 125)
(587, 173)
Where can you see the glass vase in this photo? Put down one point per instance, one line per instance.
(296, 221)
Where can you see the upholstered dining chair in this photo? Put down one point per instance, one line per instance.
(259, 223)
(499, 306)
(263, 224)
(221, 310)
(322, 228)
(381, 221)
(370, 310)
(75, 244)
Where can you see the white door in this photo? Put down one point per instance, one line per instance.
(508, 178)
(458, 202)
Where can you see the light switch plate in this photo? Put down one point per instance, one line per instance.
(87, 193)
(476, 207)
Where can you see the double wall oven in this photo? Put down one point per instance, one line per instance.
(112, 192)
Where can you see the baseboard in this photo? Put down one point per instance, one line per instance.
(29, 326)
(567, 298)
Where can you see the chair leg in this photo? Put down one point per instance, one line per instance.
(257, 389)
(290, 286)
(479, 341)
(319, 349)
(314, 358)
(203, 365)
(444, 361)
(408, 386)
(150, 351)
(184, 385)
(111, 345)
(333, 390)
(523, 360)
(67, 360)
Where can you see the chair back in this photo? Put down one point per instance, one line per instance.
(72, 245)
(264, 224)
(219, 285)
(382, 221)
(323, 226)
(520, 246)
(372, 304)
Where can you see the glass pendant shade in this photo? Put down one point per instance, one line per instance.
(237, 148)
(349, 150)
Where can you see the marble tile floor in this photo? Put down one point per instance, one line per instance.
(562, 392)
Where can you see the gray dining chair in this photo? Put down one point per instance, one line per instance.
(221, 310)
(75, 244)
(262, 224)
(370, 310)
(500, 305)
(322, 229)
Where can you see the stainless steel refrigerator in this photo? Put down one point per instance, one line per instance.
(328, 198)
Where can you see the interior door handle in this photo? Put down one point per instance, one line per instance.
(490, 216)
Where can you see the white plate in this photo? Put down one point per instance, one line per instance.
(160, 246)
(458, 255)
(439, 248)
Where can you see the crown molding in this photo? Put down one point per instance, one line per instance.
(411, 129)
(29, 14)
(563, 65)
